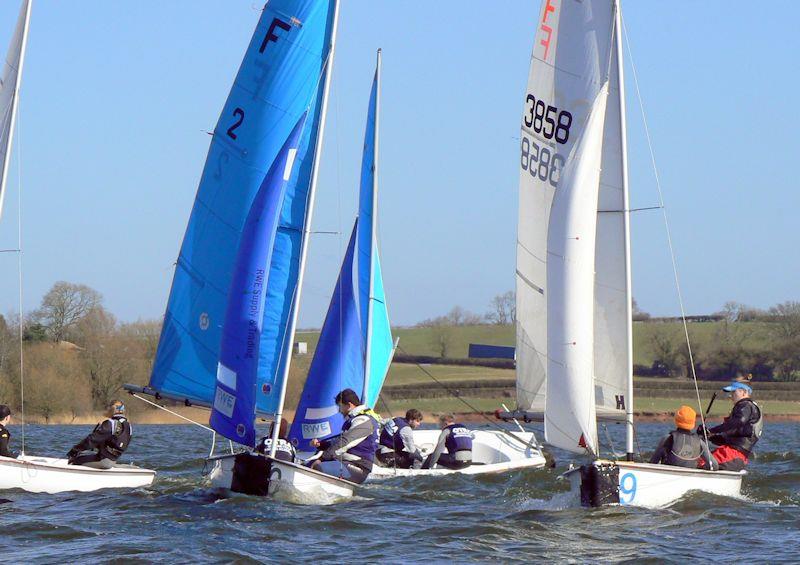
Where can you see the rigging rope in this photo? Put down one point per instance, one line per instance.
(457, 395)
(669, 234)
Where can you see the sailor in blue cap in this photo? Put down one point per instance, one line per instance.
(738, 433)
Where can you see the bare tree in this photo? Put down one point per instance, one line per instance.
(65, 305)
(504, 309)
(786, 317)
(637, 314)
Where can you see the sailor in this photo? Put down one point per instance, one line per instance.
(682, 447)
(5, 435)
(457, 439)
(397, 448)
(738, 433)
(351, 454)
(107, 442)
(284, 450)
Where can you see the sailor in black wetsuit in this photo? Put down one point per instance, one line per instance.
(739, 433)
(107, 442)
(5, 435)
(682, 447)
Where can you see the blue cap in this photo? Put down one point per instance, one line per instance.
(736, 385)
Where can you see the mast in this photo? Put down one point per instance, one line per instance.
(14, 102)
(306, 230)
(626, 215)
(373, 227)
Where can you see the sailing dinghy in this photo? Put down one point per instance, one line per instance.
(356, 347)
(574, 338)
(232, 311)
(34, 473)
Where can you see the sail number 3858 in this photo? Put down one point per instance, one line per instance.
(547, 120)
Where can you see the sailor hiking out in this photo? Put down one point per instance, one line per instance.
(397, 448)
(107, 442)
(351, 454)
(738, 434)
(682, 447)
(457, 440)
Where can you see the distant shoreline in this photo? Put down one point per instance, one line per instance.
(201, 416)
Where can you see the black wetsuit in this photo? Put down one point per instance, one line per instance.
(110, 438)
(742, 429)
(5, 439)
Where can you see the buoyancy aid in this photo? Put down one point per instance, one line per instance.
(121, 433)
(460, 439)
(685, 451)
(364, 450)
(390, 434)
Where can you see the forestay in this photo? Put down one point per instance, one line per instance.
(278, 81)
(9, 92)
(561, 151)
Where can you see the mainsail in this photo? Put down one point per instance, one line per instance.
(355, 345)
(562, 144)
(279, 80)
(9, 91)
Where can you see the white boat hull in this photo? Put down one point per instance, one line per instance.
(643, 484)
(288, 482)
(492, 452)
(51, 475)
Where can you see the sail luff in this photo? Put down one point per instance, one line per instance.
(306, 228)
(373, 228)
(24, 18)
(629, 429)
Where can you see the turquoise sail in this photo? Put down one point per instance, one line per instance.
(376, 333)
(280, 78)
(355, 346)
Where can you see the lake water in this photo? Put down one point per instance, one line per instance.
(524, 516)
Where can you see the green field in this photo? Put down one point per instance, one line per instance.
(423, 341)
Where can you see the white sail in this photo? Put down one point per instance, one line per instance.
(569, 68)
(612, 354)
(569, 421)
(9, 90)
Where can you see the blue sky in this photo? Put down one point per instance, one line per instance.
(117, 98)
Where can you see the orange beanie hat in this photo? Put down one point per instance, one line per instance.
(685, 417)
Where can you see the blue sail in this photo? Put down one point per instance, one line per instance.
(357, 319)
(233, 412)
(279, 80)
(376, 334)
(338, 362)
(381, 344)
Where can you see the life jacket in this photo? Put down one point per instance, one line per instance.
(747, 435)
(459, 439)
(284, 451)
(686, 450)
(390, 434)
(121, 437)
(365, 449)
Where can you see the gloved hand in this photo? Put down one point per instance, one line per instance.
(702, 431)
(72, 453)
